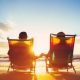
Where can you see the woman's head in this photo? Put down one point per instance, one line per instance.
(61, 34)
(23, 35)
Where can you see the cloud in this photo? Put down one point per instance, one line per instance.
(5, 27)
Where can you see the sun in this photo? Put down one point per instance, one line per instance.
(37, 50)
(40, 49)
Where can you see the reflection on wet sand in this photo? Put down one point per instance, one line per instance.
(40, 73)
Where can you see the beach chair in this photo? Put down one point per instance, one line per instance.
(21, 55)
(60, 56)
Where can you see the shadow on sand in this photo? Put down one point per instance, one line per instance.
(65, 76)
(17, 76)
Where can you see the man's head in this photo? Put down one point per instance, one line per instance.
(23, 35)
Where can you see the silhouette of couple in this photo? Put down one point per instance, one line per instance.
(58, 51)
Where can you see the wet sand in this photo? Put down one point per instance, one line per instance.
(41, 74)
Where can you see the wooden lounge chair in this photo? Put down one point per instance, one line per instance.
(60, 55)
(21, 54)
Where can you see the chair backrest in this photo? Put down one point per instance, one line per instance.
(12, 42)
(62, 51)
(21, 51)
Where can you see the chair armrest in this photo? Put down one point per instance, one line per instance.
(76, 59)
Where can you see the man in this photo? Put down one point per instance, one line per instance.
(21, 53)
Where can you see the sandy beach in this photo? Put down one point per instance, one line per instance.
(40, 73)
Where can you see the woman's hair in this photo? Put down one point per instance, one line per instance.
(61, 34)
(23, 35)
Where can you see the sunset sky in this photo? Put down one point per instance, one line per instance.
(39, 18)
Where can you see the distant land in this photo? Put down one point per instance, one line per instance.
(3, 44)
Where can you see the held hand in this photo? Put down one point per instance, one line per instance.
(42, 54)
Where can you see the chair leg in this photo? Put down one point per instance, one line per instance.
(34, 69)
(67, 69)
(46, 65)
(34, 66)
(46, 68)
(9, 67)
(74, 69)
(31, 69)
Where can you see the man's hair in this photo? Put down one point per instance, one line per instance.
(23, 35)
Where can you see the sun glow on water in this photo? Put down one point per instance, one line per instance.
(40, 67)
